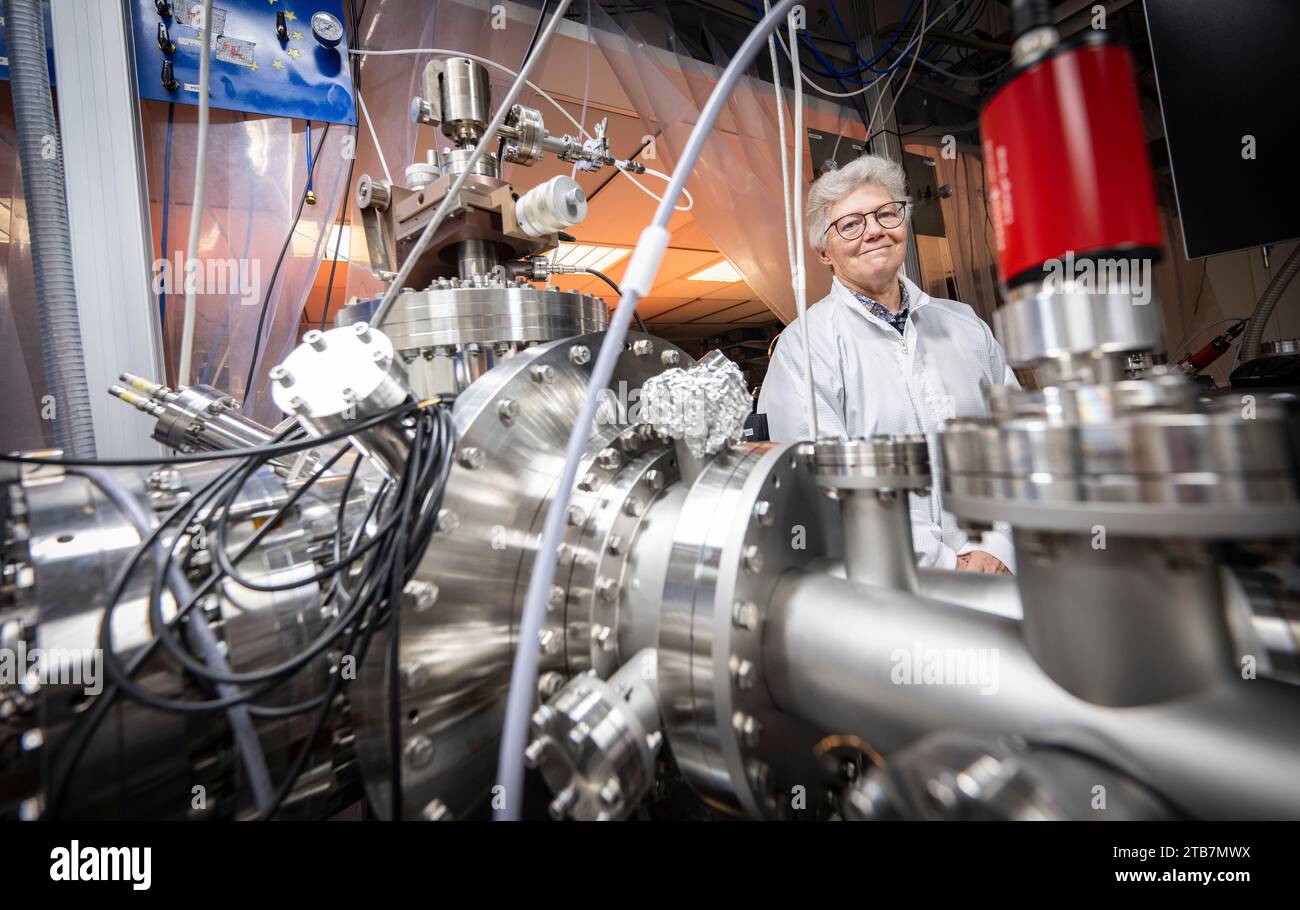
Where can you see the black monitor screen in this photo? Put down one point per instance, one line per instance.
(1229, 79)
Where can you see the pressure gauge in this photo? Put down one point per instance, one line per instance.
(327, 29)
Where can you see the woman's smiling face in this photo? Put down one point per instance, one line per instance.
(872, 260)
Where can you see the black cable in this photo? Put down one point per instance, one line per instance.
(537, 30)
(396, 549)
(609, 281)
(270, 286)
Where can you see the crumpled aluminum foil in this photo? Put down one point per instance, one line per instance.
(705, 406)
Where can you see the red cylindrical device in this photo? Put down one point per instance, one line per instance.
(1065, 161)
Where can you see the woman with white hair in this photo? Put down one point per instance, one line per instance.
(886, 356)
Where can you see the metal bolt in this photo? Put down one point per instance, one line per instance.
(670, 358)
(447, 521)
(533, 754)
(604, 636)
(633, 506)
(654, 479)
(436, 811)
(563, 802)
(471, 457)
(549, 641)
(758, 775)
(421, 594)
(296, 404)
(419, 752)
(543, 716)
(549, 683)
(743, 674)
(380, 358)
(575, 515)
(763, 513)
(281, 375)
(542, 373)
(615, 545)
(643, 346)
(315, 338)
(555, 599)
(33, 739)
(654, 740)
(630, 443)
(362, 330)
(611, 792)
(609, 459)
(744, 614)
(607, 589)
(747, 727)
(753, 559)
(579, 354)
(415, 675)
(507, 409)
(589, 482)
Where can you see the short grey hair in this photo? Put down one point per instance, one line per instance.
(831, 187)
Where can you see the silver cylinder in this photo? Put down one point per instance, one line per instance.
(878, 538)
(1138, 622)
(465, 97)
(475, 257)
(845, 657)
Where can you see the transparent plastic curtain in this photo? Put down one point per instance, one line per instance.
(968, 226)
(22, 372)
(256, 175)
(736, 184)
(737, 180)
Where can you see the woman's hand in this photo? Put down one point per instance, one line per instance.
(980, 561)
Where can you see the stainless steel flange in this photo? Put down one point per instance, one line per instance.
(458, 637)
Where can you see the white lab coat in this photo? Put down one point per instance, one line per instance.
(869, 379)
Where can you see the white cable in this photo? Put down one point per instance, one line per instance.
(374, 137)
(785, 155)
(639, 274)
(196, 212)
(858, 91)
(586, 91)
(582, 132)
(489, 136)
(800, 285)
(893, 102)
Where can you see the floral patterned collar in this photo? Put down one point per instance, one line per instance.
(880, 311)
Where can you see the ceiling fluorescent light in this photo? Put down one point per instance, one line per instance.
(588, 256)
(722, 272)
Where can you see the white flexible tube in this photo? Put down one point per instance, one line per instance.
(637, 280)
(374, 137)
(800, 282)
(192, 263)
(582, 132)
(893, 102)
(785, 154)
(453, 193)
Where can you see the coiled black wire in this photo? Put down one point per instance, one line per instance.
(381, 557)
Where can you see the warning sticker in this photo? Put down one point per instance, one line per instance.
(235, 50)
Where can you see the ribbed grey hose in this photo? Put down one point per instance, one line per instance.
(47, 224)
(241, 722)
(640, 273)
(1254, 334)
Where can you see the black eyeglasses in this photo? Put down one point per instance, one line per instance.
(888, 216)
